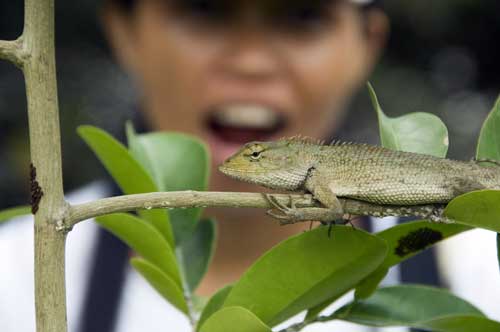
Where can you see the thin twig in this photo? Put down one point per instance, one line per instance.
(12, 50)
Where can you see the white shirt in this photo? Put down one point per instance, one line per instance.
(467, 263)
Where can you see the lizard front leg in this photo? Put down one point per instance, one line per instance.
(322, 192)
(292, 214)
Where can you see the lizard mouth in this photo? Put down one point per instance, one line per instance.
(243, 123)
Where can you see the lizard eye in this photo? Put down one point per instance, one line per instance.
(255, 155)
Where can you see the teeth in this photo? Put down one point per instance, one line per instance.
(248, 116)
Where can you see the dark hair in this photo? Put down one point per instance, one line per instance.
(128, 5)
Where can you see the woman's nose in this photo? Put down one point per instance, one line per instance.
(251, 54)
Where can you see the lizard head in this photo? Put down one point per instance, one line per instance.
(276, 165)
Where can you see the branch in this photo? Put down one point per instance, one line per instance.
(48, 203)
(175, 199)
(12, 50)
(189, 199)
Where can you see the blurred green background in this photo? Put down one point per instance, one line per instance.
(443, 57)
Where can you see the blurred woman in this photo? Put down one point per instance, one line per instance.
(231, 72)
(227, 71)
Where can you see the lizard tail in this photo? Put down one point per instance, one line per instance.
(493, 184)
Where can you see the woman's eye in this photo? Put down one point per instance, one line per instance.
(303, 17)
(204, 10)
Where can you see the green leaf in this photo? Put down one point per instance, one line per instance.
(198, 302)
(234, 319)
(476, 209)
(405, 305)
(176, 162)
(408, 239)
(460, 323)
(161, 282)
(117, 161)
(139, 152)
(305, 270)
(405, 241)
(144, 239)
(127, 172)
(410, 305)
(498, 248)
(214, 304)
(369, 285)
(414, 132)
(196, 253)
(7, 214)
(488, 146)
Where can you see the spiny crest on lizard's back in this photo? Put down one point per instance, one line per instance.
(310, 141)
(302, 140)
(337, 142)
(307, 140)
(355, 145)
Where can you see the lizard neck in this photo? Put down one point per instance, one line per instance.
(296, 174)
(291, 179)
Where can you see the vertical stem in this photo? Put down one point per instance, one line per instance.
(50, 291)
(46, 185)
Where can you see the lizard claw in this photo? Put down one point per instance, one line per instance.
(277, 204)
(274, 202)
(283, 219)
(288, 215)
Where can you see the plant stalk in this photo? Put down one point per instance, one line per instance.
(48, 203)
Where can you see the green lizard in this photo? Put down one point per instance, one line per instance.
(402, 183)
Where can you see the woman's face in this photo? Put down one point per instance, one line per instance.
(237, 71)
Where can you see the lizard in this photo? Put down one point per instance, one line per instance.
(389, 182)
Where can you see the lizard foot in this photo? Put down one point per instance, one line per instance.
(442, 220)
(287, 215)
(437, 215)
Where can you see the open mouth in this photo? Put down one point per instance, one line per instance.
(245, 123)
